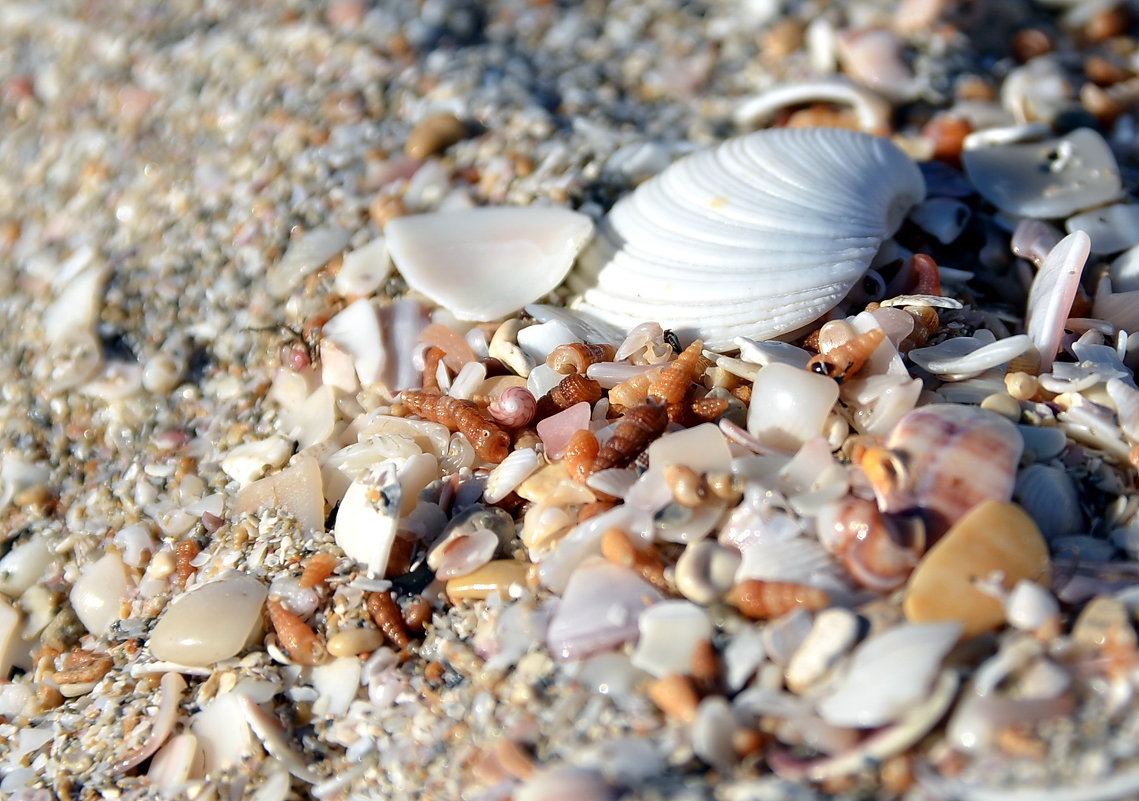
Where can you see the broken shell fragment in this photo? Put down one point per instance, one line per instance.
(1052, 292)
(888, 674)
(1048, 179)
(96, 595)
(599, 610)
(368, 517)
(669, 635)
(756, 237)
(186, 633)
(482, 264)
(995, 537)
(795, 406)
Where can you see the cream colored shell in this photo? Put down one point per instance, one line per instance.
(756, 237)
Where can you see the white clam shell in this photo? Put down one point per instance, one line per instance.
(1050, 497)
(756, 237)
(483, 264)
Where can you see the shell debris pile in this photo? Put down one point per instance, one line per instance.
(432, 400)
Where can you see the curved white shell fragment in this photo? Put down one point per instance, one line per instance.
(965, 357)
(483, 264)
(599, 610)
(888, 673)
(756, 237)
(1052, 292)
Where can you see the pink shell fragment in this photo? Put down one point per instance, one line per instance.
(557, 429)
(599, 610)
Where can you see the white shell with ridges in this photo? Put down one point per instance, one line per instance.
(754, 238)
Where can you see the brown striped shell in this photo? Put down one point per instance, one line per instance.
(944, 459)
(636, 429)
(762, 600)
(489, 441)
(575, 357)
(571, 390)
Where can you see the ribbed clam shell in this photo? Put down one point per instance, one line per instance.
(753, 238)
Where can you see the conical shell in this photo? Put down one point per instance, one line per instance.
(756, 237)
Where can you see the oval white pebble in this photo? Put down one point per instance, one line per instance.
(188, 632)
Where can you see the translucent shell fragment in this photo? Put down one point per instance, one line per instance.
(753, 238)
(483, 264)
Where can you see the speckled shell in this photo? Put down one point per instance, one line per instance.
(756, 237)
(951, 458)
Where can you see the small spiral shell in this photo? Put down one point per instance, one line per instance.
(845, 360)
(514, 408)
(878, 552)
(300, 642)
(926, 323)
(707, 410)
(431, 358)
(639, 427)
(318, 567)
(580, 454)
(617, 546)
(634, 390)
(575, 357)
(572, 389)
(673, 382)
(388, 617)
(688, 487)
(490, 441)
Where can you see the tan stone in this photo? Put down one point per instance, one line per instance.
(994, 536)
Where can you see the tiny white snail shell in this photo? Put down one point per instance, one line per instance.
(756, 237)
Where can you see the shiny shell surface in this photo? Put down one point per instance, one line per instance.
(756, 237)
